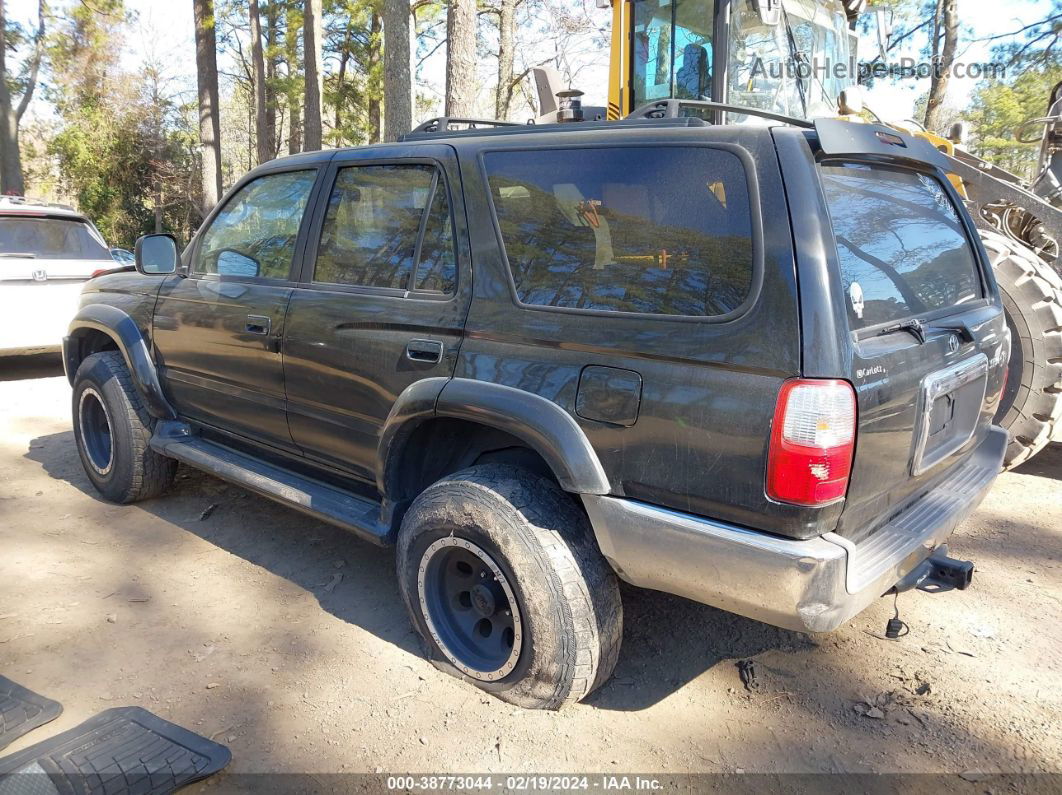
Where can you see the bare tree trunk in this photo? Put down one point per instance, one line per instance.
(291, 47)
(503, 93)
(311, 36)
(945, 42)
(460, 57)
(270, 82)
(373, 104)
(206, 62)
(261, 127)
(398, 88)
(11, 180)
(341, 76)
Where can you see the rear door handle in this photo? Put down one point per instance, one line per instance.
(424, 351)
(258, 324)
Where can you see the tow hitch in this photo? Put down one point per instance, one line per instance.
(935, 574)
(938, 573)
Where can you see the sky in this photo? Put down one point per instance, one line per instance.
(165, 30)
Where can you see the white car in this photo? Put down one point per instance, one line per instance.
(47, 253)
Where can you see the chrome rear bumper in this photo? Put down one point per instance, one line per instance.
(812, 586)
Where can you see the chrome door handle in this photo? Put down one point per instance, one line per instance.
(258, 324)
(424, 351)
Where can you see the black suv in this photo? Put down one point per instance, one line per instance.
(753, 366)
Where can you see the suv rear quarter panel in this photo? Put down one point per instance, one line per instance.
(708, 389)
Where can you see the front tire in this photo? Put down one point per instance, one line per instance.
(113, 430)
(1031, 406)
(507, 589)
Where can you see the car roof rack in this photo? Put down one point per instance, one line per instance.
(672, 109)
(456, 124)
(429, 130)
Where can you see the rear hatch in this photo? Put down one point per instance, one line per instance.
(38, 247)
(929, 341)
(44, 261)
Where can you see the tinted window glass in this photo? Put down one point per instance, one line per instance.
(437, 268)
(370, 230)
(672, 49)
(662, 230)
(902, 248)
(255, 233)
(53, 238)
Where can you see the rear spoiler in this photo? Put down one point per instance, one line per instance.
(839, 138)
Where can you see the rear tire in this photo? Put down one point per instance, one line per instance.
(1031, 406)
(113, 430)
(495, 539)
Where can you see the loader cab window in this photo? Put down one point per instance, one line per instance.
(789, 67)
(671, 50)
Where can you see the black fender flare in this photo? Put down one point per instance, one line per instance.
(121, 328)
(544, 426)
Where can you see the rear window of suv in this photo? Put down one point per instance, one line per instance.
(664, 230)
(50, 238)
(903, 249)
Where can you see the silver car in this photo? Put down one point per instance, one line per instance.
(47, 252)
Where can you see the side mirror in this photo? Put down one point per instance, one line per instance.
(156, 254)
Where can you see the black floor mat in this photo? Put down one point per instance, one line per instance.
(22, 710)
(122, 750)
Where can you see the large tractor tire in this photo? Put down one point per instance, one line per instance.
(1031, 406)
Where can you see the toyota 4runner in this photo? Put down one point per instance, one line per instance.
(753, 366)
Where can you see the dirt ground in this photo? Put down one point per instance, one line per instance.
(285, 639)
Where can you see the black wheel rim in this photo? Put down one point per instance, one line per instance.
(470, 608)
(95, 426)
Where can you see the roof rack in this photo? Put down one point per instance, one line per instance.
(672, 109)
(442, 124)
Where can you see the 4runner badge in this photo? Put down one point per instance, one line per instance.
(855, 293)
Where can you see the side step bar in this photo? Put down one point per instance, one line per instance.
(312, 497)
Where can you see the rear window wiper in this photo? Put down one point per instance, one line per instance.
(913, 325)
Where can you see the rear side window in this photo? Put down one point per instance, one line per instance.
(663, 230)
(902, 247)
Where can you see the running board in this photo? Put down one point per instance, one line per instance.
(312, 497)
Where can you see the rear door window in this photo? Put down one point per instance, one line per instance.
(902, 247)
(388, 226)
(663, 230)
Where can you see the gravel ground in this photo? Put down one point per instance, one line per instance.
(285, 639)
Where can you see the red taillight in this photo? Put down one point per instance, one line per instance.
(812, 441)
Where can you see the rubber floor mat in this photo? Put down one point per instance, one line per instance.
(122, 750)
(22, 710)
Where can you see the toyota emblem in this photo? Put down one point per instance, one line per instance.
(953, 343)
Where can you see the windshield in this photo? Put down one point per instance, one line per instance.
(797, 67)
(50, 238)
